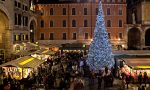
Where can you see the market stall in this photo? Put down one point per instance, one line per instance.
(133, 66)
(21, 67)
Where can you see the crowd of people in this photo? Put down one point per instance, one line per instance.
(59, 73)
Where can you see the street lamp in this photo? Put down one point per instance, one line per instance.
(31, 30)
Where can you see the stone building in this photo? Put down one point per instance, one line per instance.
(73, 21)
(138, 27)
(18, 22)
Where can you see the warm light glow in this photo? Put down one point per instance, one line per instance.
(26, 61)
(123, 46)
(91, 40)
(36, 42)
(45, 51)
(143, 67)
(17, 37)
(31, 30)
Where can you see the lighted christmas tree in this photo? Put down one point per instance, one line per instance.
(100, 51)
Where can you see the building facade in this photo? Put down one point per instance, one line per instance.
(138, 27)
(16, 21)
(74, 22)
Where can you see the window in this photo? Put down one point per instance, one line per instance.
(51, 24)
(64, 36)
(16, 3)
(42, 23)
(85, 11)
(26, 8)
(16, 19)
(27, 37)
(120, 35)
(120, 11)
(73, 23)
(51, 11)
(19, 5)
(74, 36)
(19, 36)
(108, 11)
(51, 36)
(26, 21)
(23, 37)
(108, 23)
(64, 11)
(15, 39)
(86, 36)
(85, 23)
(109, 37)
(64, 23)
(23, 7)
(120, 23)
(19, 19)
(42, 11)
(96, 11)
(73, 11)
(42, 36)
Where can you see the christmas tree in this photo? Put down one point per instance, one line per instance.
(100, 51)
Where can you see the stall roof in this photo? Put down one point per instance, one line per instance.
(141, 63)
(24, 62)
(39, 51)
(48, 52)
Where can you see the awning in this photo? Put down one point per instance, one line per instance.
(24, 62)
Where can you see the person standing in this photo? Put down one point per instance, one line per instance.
(145, 78)
(105, 75)
(99, 79)
(140, 78)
